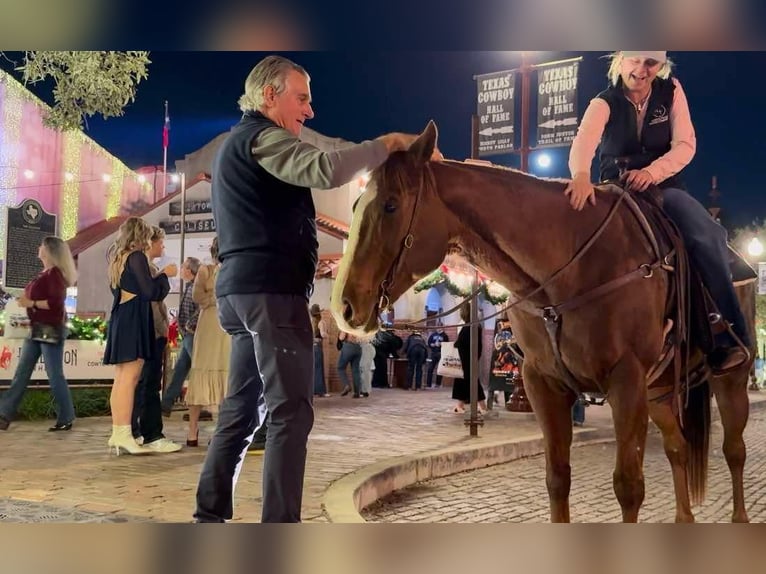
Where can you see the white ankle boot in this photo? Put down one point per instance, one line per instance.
(122, 441)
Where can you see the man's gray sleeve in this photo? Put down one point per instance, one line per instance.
(289, 159)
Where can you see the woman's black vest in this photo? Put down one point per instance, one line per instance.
(620, 138)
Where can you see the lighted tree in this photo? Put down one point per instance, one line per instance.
(85, 83)
(740, 239)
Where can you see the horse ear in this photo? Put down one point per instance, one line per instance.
(423, 147)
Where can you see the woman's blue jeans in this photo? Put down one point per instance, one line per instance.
(53, 357)
(319, 385)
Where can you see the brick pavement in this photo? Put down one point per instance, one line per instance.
(515, 491)
(64, 474)
(71, 477)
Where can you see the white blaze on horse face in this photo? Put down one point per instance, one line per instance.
(344, 271)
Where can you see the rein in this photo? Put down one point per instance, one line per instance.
(524, 302)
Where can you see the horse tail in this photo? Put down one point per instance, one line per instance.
(697, 434)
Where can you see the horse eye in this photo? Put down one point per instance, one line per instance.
(390, 207)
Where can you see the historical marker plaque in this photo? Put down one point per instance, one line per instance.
(28, 224)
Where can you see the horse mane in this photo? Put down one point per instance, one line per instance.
(495, 169)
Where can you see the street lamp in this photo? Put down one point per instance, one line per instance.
(755, 247)
(544, 160)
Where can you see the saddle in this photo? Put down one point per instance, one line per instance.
(696, 319)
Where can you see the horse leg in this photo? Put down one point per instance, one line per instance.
(627, 395)
(553, 410)
(734, 405)
(677, 452)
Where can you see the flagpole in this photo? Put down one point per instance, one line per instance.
(164, 157)
(183, 236)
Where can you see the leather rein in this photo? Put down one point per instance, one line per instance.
(549, 312)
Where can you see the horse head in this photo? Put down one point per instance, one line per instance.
(397, 236)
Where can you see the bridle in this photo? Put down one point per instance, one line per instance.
(409, 239)
(550, 312)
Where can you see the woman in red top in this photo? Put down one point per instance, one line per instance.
(44, 300)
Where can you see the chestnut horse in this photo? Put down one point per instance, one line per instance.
(521, 231)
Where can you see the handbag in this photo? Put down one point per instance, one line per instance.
(43, 333)
(449, 363)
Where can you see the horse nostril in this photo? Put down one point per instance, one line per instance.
(348, 311)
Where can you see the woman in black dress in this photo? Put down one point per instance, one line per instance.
(130, 333)
(461, 391)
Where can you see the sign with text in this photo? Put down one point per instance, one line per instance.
(494, 107)
(193, 207)
(28, 224)
(192, 226)
(83, 360)
(557, 104)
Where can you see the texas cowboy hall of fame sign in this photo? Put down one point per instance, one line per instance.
(28, 224)
(494, 109)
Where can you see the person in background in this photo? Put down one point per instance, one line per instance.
(188, 313)
(461, 390)
(366, 366)
(350, 354)
(435, 340)
(130, 331)
(320, 334)
(387, 344)
(416, 349)
(147, 409)
(43, 299)
(212, 349)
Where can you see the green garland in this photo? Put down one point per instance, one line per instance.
(93, 329)
(439, 277)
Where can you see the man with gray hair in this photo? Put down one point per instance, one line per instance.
(261, 192)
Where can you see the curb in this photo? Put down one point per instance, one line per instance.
(348, 496)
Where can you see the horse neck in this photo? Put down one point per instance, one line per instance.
(516, 228)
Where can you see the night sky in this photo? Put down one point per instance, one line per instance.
(361, 95)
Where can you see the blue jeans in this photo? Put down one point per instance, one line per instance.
(578, 411)
(432, 367)
(350, 353)
(416, 358)
(705, 241)
(53, 356)
(180, 372)
(319, 385)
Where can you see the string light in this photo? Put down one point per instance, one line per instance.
(10, 135)
(13, 96)
(114, 187)
(70, 192)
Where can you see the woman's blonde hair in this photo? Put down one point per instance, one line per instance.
(61, 257)
(616, 62)
(214, 252)
(135, 235)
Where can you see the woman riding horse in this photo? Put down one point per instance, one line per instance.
(589, 313)
(644, 118)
